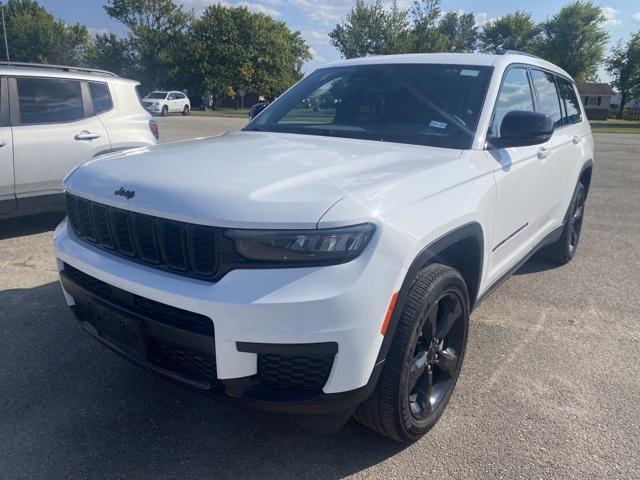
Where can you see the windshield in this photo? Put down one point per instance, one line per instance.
(422, 104)
(157, 95)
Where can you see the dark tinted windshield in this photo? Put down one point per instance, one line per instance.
(157, 95)
(423, 104)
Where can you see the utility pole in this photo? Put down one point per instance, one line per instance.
(4, 28)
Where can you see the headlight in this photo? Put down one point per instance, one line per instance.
(295, 247)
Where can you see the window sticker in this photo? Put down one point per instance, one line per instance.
(436, 124)
(469, 73)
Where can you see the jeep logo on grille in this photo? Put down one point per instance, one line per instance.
(128, 194)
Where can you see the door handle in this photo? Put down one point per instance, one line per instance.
(543, 152)
(576, 139)
(85, 135)
(2, 143)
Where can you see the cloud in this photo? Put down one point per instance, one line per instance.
(93, 31)
(610, 15)
(259, 8)
(316, 57)
(316, 38)
(252, 6)
(324, 13)
(482, 18)
(636, 17)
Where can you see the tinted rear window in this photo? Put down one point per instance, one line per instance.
(100, 97)
(49, 100)
(423, 104)
(571, 102)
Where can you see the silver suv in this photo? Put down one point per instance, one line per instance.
(54, 118)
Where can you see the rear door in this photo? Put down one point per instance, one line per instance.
(54, 130)
(173, 102)
(7, 194)
(566, 168)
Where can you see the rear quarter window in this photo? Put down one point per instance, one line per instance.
(100, 97)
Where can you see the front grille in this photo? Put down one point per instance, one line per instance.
(159, 312)
(179, 247)
(294, 372)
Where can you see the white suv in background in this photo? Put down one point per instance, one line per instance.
(163, 103)
(54, 118)
(326, 259)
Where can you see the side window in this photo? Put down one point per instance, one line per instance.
(571, 102)
(100, 97)
(180, 96)
(49, 100)
(547, 95)
(171, 97)
(515, 94)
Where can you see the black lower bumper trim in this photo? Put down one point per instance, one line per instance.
(248, 391)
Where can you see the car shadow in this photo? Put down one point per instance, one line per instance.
(30, 225)
(92, 414)
(536, 264)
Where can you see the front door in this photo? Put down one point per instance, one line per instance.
(522, 177)
(54, 130)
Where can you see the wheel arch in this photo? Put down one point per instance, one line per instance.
(462, 249)
(585, 175)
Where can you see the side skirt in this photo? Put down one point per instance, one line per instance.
(552, 237)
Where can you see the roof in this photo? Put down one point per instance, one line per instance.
(497, 60)
(595, 89)
(57, 71)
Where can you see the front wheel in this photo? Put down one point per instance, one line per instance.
(165, 111)
(425, 357)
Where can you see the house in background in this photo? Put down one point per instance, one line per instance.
(631, 109)
(596, 98)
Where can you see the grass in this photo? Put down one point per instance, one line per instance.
(615, 126)
(223, 112)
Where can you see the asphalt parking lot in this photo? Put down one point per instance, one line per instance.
(549, 388)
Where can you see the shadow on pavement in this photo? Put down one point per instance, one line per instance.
(30, 225)
(85, 413)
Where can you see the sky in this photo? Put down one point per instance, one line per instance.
(315, 18)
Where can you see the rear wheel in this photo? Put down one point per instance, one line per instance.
(185, 110)
(165, 111)
(565, 248)
(425, 357)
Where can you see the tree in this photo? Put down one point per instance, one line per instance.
(372, 30)
(458, 32)
(109, 52)
(157, 34)
(575, 39)
(514, 31)
(235, 48)
(34, 35)
(624, 67)
(425, 36)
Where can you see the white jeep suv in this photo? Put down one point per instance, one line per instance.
(52, 119)
(163, 103)
(326, 258)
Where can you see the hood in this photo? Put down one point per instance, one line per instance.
(249, 179)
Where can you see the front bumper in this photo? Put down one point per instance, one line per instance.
(328, 317)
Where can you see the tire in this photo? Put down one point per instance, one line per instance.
(563, 251)
(165, 111)
(398, 409)
(185, 110)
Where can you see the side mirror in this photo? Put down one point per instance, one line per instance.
(520, 128)
(256, 109)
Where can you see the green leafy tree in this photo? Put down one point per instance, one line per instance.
(372, 30)
(458, 32)
(425, 35)
(237, 49)
(624, 67)
(575, 39)
(157, 34)
(514, 31)
(109, 52)
(34, 35)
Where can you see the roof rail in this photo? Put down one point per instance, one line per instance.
(62, 68)
(516, 52)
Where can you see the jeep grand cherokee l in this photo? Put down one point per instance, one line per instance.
(326, 258)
